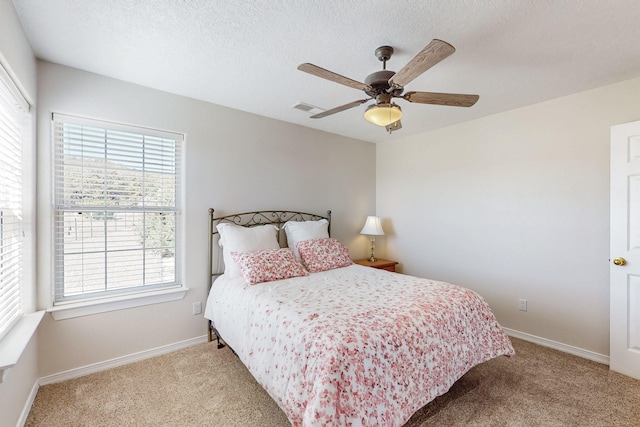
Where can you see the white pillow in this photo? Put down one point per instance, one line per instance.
(234, 238)
(299, 231)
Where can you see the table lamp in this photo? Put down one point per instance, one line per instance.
(372, 228)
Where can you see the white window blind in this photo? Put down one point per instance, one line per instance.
(14, 128)
(117, 201)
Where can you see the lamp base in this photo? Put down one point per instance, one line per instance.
(373, 258)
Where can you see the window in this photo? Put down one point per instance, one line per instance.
(117, 199)
(14, 135)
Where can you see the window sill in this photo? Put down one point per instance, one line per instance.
(86, 308)
(13, 344)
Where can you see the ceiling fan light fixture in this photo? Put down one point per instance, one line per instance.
(383, 114)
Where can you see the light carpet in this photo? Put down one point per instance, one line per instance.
(204, 386)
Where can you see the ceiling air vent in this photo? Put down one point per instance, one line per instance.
(307, 108)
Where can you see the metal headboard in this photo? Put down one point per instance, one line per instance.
(250, 219)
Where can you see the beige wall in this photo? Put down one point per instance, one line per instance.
(16, 55)
(16, 52)
(235, 162)
(515, 205)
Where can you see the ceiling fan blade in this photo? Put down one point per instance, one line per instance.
(340, 108)
(330, 75)
(432, 53)
(452, 99)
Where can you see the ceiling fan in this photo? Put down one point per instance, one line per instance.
(384, 85)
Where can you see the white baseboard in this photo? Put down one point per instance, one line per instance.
(135, 357)
(576, 351)
(27, 405)
(119, 361)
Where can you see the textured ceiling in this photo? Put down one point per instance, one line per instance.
(243, 54)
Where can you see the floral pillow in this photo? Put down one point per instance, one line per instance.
(268, 264)
(323, 254)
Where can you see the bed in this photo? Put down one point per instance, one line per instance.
(334, 343)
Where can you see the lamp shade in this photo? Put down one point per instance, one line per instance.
(383, 114)
(372, 227)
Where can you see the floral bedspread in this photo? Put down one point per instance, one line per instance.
(355, 345)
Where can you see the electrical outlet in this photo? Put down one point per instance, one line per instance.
(197, 307)
(522, 304)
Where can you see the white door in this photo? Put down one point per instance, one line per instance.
(625, 249)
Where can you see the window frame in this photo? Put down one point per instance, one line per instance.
(20, 112)
(129, 296)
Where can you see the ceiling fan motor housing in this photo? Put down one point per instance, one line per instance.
(379, 83)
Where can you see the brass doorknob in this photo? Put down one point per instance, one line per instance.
(619, 261)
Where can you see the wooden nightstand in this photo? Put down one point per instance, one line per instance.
(382, 264)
